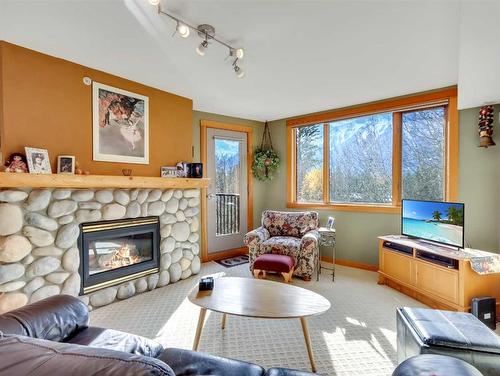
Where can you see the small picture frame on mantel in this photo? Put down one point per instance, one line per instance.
(38, 161)
(66, 164)
(168, 172)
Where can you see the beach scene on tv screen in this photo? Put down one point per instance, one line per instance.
(438, 221)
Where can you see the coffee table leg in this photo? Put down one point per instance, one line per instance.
(224, 315)
(305, 330)
(199, 328)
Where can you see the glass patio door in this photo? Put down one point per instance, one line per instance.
(227, 192)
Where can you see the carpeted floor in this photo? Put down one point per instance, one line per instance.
(357, 336)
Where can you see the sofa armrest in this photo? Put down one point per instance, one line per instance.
(257, 236)
(187, 363)
(55, 318)
(30, 356)
(287, 372)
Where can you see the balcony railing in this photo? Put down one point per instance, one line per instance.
(228, 213)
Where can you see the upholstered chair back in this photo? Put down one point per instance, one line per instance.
(295, 224)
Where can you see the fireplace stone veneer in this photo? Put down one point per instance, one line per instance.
(39, 231)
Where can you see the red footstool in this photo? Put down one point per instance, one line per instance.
(274, 263)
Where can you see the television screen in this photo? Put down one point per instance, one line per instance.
(441, 222)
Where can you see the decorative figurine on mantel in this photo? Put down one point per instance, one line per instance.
(485, 125)
(16, 163)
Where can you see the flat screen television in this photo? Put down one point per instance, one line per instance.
(437, 221)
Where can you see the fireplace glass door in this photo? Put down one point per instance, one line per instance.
(113, 252)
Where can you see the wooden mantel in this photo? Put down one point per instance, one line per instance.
(20, 180)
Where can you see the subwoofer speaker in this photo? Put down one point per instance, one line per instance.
(484, 308)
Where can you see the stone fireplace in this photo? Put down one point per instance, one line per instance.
(112, 252)
(99, 238)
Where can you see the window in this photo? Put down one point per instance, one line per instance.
(309, 146)
(372, 156)
(423, 154)
(361, 159)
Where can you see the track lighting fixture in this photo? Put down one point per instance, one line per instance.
(239, 72)
(200, 50)
(237, 53)
(182, 29)
(207, 33)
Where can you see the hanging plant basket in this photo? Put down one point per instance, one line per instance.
(265, 160)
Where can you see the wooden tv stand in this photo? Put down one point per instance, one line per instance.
(437, 276)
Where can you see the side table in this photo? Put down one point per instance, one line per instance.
(326, 239)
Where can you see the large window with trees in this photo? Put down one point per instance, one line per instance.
(370, 157)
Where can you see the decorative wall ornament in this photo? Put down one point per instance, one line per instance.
(485, 124)
(120, 125)
(265, 160)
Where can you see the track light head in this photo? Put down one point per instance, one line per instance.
(200, 50)
(236, 53)
(239, 72)
(154, 2)
(182, 29)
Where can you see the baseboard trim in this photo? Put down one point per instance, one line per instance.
(351, 264)
(226, 254)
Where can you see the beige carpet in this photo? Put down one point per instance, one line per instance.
(357, 336)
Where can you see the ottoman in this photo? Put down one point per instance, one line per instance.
(457, 334)
(271, 262)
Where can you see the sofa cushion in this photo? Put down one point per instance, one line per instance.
(289, 223)
(31, 356)
(452, 329)
(190, 363)
(55, 318)
(282, 245)
(118, 341)
(275, 263)
(435, 365)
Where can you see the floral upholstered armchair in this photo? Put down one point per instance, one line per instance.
(287, 233)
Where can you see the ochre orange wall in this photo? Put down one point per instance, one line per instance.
(45, 104)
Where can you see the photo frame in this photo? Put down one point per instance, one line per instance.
(65, 164)
(38, 161)
(168, 172)
(330, 223)
(120, 128)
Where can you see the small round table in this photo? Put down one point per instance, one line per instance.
(261, 299)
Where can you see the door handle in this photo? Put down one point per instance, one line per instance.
(211, 196)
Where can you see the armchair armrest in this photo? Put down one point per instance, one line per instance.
(256, 236)
(55, 318)
(310, 239)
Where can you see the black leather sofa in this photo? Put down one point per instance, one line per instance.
(53, 337)
(456, 334)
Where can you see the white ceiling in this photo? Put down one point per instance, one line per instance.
(301, 56)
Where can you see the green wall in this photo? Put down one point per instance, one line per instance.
(479, 188)
(479, 183)
(258, 187)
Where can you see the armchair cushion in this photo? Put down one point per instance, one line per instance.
(289, 223)
(282, 245)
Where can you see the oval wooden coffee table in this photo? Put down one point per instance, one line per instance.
(259, 298)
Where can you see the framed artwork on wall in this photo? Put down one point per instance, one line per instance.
(38, 161)
(120, 125)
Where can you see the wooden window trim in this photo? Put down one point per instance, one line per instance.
(447, 96)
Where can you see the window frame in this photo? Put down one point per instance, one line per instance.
(440, 97)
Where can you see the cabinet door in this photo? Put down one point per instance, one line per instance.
(438, 281)
(398, 266)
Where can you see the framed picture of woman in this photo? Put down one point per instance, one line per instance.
(120, 125)
(38, 161)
